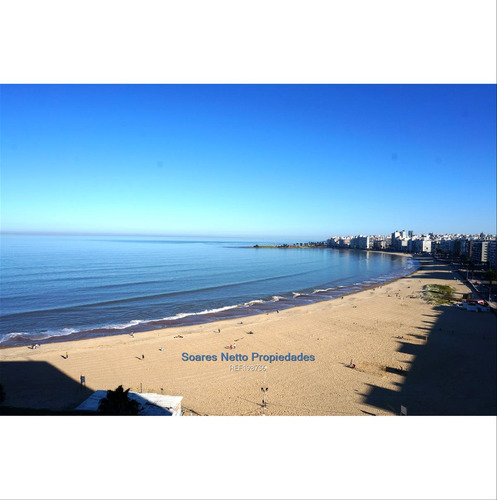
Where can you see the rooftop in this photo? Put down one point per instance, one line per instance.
(150, 403)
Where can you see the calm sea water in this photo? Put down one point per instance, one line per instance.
(59, 288)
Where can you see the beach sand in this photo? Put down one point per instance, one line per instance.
(434, 360)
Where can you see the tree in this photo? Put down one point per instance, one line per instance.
(491, 276)
(118, 402)
(471, 267)
(465, 263)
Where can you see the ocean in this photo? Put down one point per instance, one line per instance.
(56, 288)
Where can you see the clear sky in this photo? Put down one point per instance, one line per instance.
(288, 161)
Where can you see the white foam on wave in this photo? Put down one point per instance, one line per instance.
(253, 302)
(38, 335)
(12, 335)
(207, 311)
(122, 326)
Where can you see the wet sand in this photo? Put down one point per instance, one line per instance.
(405, 351)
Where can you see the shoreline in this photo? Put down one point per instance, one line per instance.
(238, 311)
(405, 351)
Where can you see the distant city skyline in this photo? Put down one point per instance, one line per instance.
(163, 235)
(248, 161)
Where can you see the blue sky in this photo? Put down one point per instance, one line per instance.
(286, 161)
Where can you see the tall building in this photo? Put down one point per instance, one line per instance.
(421, 246)
(380, 244)
(364, 242)
(480, 251)
(410, 233)
(464, 247)
(492, 253)
(447, 245)
(402, 244)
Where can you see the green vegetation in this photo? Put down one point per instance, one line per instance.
(118, 403)
(439, 294)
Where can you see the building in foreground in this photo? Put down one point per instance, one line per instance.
(150, 403)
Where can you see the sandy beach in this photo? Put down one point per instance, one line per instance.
(434, 360)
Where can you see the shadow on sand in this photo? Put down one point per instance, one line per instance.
(40, 386)
(454, 366)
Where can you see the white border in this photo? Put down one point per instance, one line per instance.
(358, 41)
(248, 457)
(257, 41)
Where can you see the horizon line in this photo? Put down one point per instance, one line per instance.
(172, 235)
(158, 235)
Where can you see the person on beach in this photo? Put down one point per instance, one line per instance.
(143, 356)
(67, 355)
(234, 346)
